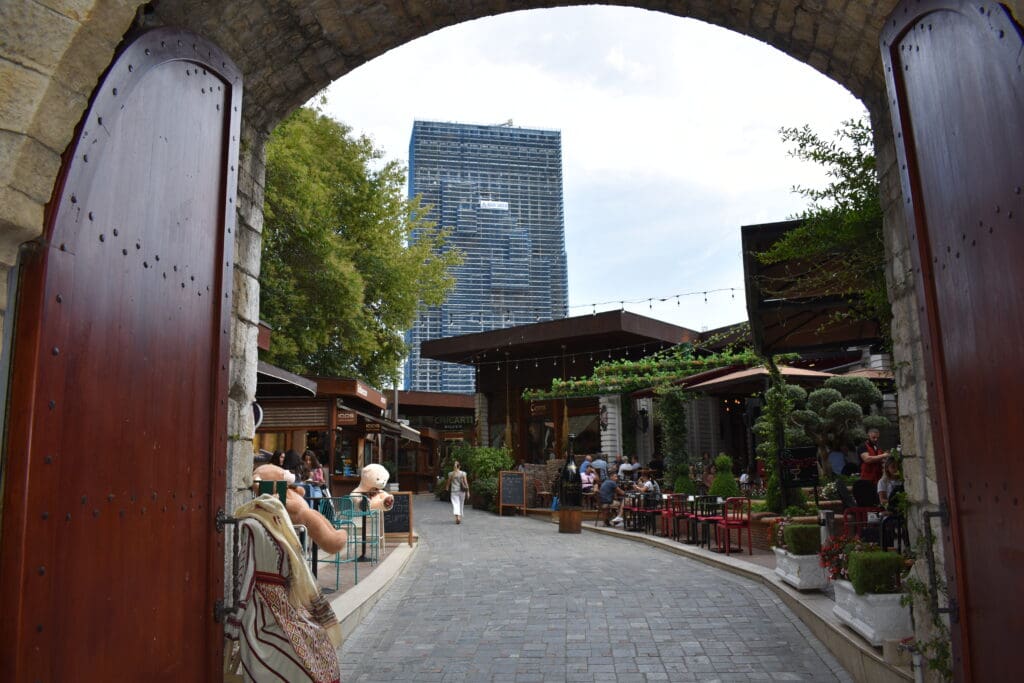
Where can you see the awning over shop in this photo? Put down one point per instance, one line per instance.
(386, 425)
(273, 382)
(753, 379)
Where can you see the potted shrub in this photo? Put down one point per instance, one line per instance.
(796, 559)
(868, 593)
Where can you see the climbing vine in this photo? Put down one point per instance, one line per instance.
(655, 371)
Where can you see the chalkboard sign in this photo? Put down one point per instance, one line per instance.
(800, 466)
(398, 520)
(511, 490)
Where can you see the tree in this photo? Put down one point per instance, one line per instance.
(340, 280)
(839, 247)
(838, 414)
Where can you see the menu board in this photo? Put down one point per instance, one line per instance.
(511, 490)
(799, 466)
(398, 520)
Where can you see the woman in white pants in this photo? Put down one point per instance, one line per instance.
(458, 488)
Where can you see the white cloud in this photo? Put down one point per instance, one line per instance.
(669, 133)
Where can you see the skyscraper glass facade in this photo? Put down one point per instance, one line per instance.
(499, 189)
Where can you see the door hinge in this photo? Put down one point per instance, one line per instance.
(222, 519)
(220, 611)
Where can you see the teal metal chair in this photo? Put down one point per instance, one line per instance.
(334, 510)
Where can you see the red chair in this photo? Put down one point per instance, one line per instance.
(736, 515)
(632, 511)
(708, 513)
(669, 510)
(686, 517)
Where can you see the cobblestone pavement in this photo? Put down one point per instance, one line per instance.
(511, 599)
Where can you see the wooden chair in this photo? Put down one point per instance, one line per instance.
(735, 515)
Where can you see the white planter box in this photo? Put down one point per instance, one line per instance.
(876, 617)
(803, 572)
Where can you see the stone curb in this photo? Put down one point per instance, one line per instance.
(860, 660)
(353, 605)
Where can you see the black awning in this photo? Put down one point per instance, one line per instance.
(273, 382)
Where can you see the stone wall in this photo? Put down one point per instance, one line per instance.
(52, 53)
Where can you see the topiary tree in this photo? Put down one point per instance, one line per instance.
(775, 424)
(724, 483)
(839, 413)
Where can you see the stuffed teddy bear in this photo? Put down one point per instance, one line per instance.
(328, 538)
(372, 481)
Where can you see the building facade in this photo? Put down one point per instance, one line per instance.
(499, 190)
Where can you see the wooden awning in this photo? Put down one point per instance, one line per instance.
(753, 379)
(800, 320)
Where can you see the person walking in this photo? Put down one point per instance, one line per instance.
(458, 489)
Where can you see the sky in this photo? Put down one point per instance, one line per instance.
(670, 139)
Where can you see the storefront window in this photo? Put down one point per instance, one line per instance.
(344, 456)
(320, 445)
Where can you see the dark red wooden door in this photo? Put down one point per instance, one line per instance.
(116, 435)
(957, 96)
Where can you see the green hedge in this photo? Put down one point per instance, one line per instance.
(875, 571)
(802, 539)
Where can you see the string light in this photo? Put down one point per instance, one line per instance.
(650, 299)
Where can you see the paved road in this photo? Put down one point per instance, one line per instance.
(511, 599)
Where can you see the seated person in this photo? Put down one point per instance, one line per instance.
(627, 469)
(648, 485)
(891, 479)
(586, 464)
(588, 480)
(611, 495)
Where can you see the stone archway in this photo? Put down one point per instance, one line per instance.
(52, 54)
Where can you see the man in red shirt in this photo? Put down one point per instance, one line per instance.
(871, 457)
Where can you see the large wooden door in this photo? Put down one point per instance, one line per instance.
(957, 96)
(116, 444)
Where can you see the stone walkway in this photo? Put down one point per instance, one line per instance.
(511, 599)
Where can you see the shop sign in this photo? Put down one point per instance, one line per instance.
(347, 418)
(538, 409)
(372, 427)
(453, 436)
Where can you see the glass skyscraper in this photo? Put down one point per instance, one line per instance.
(499, 189)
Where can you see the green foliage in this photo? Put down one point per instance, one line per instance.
(683, 484)
(798, 508)
(802, 539)
(775, 423)
(485, 494)
(834, 416)
(483, 462)
(657, 371)
(875, 571)
(340, 276)
(671, 411)
(839, 249)
(724, 483)
(936, 651)
(629, 423)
